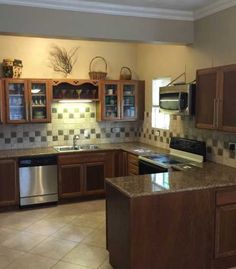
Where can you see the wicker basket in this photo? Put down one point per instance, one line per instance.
(97, 75)
(125, 76)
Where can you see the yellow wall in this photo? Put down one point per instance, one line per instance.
(34, 53)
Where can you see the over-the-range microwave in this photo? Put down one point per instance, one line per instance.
(178, 99)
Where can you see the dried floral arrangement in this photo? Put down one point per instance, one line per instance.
(62, 60)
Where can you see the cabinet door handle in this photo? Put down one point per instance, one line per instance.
(27, 111)
(217, 112)
(214, 114)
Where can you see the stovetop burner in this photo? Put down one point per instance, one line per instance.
(183, 154)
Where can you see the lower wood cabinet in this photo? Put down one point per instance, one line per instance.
(132, 165)
(71, 177)
(9, 194)
(82, 174)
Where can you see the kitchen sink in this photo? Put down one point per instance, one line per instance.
(77, 148)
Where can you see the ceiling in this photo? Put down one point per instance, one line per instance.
(189, 10)
(187, 5)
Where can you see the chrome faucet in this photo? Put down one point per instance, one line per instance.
(75, 141)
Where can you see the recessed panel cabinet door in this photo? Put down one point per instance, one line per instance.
(94, 177)
(8, 183)
(206, 102)
(225, 231)
(71, 178)
(227, 100)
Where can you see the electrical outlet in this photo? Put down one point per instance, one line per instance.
(86, 133)
(115, 129)
(232, 146)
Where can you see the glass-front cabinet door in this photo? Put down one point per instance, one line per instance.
(39, 98)
(111, 101)
(16, 101)
(129, 100)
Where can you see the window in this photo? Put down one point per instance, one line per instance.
(159, 120)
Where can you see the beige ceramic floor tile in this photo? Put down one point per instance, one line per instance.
(66, 265)
(106, 265)
(53, 248)
(73, 232)
(6, 234)
(17, 222)
(96, 238)
(92, 220)
(8, 255)
(86, 255)
(45, 227)
(60, 218)
(30, 261)
(23, 241)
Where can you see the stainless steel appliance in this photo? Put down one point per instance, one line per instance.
(184, 153)
(38, 180)
(178, 99)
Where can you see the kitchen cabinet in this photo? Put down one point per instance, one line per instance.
(9, 190)
(215, 97)
(83, 174)
(225, 234)
(70, 89)
(132, 165)
(171, 230)
(27, 101)
(225, 237)
(121, 101)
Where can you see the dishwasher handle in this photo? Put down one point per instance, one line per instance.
(38, 161)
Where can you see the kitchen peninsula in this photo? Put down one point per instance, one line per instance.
(173, 220)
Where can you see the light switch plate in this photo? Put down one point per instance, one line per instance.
(115, 129)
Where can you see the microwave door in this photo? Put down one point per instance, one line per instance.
(169, 102)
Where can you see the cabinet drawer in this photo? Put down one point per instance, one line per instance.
(226, 197)
(82, 158)
(133, 159)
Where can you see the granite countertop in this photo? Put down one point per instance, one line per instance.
(210, 176)
(135, 148)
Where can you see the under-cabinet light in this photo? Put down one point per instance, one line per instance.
(75, 101)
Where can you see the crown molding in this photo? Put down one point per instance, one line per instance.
(124, 10)
(105, 8)
(213, 8)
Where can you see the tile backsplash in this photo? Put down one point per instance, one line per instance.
(78, 119)
(217, 142)
(67, 120)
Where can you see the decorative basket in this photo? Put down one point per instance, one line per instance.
(12, 68)
(124, 75)
(97, 75)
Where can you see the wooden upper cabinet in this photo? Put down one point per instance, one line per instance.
(216, 95)
(109, 107)
(27, 100)
(121, 100)
(227, 99)
(207, 87)
(71, 89)
(9, 194)
(17, 110)
(39, 100)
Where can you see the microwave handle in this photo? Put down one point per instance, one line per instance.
(180, 94)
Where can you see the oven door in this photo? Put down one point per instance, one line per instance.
(149, 168)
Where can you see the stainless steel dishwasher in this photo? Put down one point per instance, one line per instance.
(38, 180)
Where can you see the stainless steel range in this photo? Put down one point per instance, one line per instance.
(184, 153)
